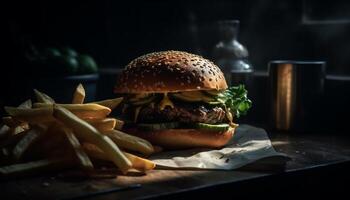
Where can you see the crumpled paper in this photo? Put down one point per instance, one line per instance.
(248, 145)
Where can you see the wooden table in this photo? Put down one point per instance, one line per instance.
(319, 163)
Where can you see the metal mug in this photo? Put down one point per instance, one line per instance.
(296, 91)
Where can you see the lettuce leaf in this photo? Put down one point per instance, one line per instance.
(236, 100)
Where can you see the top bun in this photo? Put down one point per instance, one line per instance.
(170, 71)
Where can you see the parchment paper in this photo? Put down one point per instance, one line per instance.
(248, 145)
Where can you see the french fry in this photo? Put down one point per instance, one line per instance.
(85, 131)
(17, 130)
(42, 97)
(79, 152)
(102, 125)
(140, 163)
(130, 142)
(89, 110)
(5, 152)
(68, 124)
(26, 104)
(10, 122)
(119, 124)
(13, 123)
(13, 139)
(32, 136)
(52, 144)
(110, 103)
(4, 131)
(137, 162)
(5, 157)
(31, 115)
(79, 95)
(35, 166)
(94, 152)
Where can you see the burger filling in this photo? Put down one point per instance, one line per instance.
(191, 109)
(186, 113)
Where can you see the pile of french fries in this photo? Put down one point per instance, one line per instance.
(49, 135)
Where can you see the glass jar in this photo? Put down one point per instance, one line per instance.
(231, 56)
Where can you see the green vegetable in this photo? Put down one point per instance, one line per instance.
(212, 127)
(212, 93)
(158, 126)
(235, 99)
(87, 64)
(173, 125)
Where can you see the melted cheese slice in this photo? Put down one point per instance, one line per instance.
(165, 102)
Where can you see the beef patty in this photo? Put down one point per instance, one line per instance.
(182, 113)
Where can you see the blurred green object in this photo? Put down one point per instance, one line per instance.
(70, 64)
(69, 52)
(63, 61)
(87, 64)
(51, 53)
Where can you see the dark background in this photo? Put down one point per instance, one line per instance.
(115, 32)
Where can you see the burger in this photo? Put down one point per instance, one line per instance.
(176, 100)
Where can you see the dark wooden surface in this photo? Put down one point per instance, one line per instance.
(317, 160)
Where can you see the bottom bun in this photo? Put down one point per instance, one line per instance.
(185, 138)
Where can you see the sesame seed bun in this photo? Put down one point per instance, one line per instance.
(185, 138)
(174, 71)
(170, 71)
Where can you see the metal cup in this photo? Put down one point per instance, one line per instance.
(296, 91)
